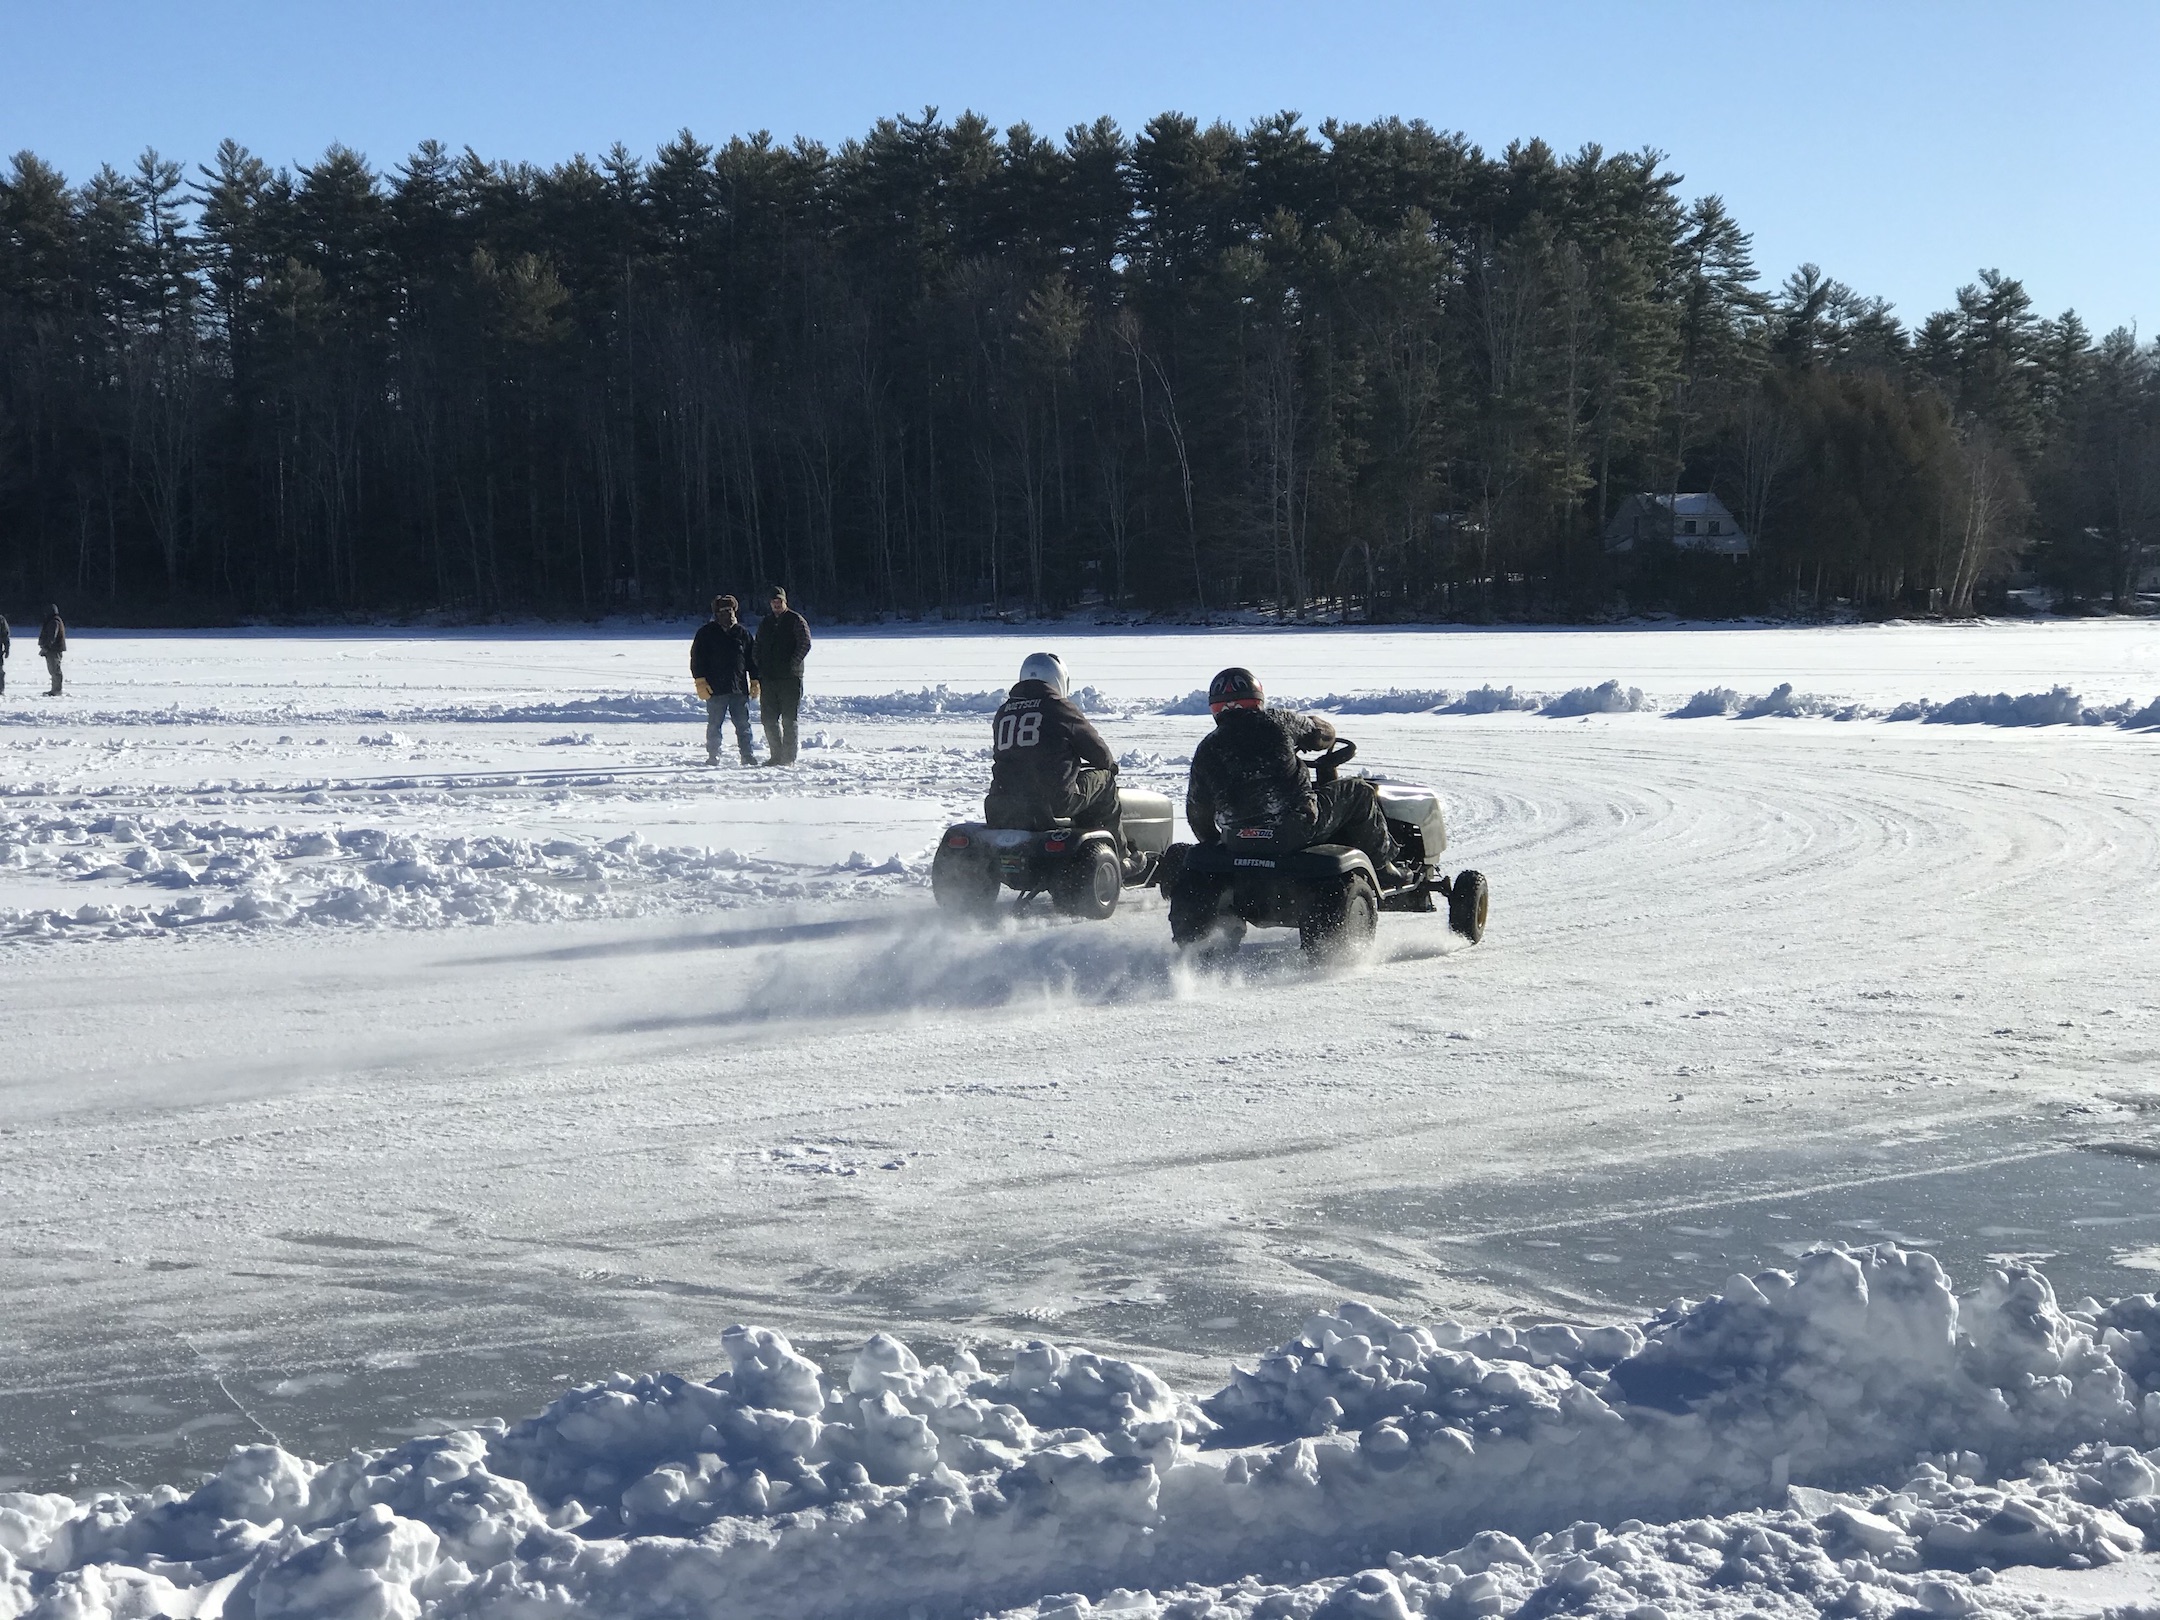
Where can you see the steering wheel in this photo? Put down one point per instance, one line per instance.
(1325, 767)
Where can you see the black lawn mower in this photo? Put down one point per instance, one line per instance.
(1331, 894)
(1081, 869)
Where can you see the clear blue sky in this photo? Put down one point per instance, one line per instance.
(1901, 144)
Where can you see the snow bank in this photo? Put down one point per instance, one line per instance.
(628, 708)
(144, 875)
(1194, 702)
(940, 700)
(1782, 700)
(1350, 1459)
(1493, 700)
(1714, 700)
(1609, 698)
(1394, 700)
(1928, 1547)
(2059, 707)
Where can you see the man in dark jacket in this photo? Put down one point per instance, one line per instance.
(7, 645)
(51, 643)
(723, 662)
(1047, 760)
(1246, 775)
(783, 642)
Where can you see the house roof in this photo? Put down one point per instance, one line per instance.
(1700, 503)
(1649, 515)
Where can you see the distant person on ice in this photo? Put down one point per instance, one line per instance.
(1246, 773)
(51, 643)
(783, 642)
(7, 645)
(1047, 760)
(724, 663)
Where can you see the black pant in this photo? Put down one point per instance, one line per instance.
(1093, 802)
(1350, 814)
(779, 696)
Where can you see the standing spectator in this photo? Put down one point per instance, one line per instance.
(724, 663)
(783, 642)
(51, 643)
(7, 645)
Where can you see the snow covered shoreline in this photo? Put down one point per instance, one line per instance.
(1366, 1467)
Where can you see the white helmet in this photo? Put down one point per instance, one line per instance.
(1048, 668)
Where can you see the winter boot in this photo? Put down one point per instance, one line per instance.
(1130, 859)
(1393, 875)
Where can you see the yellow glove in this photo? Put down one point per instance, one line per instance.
(753, 688)
(704, 688)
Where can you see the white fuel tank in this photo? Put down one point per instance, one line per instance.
(1420, 807)
(1148, 819)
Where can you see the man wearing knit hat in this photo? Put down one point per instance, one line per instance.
(52, 644)
(783, 642)
(723, 662)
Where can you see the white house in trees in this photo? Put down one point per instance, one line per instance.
(1688, 522)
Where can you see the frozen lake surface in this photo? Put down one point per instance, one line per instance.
(404, 1029)
(1885, 663)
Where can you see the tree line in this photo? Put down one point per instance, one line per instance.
(946, 369)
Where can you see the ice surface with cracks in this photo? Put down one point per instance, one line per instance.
(1393, 1468)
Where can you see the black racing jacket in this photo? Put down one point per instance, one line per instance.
(1246, 775)
(1039, 743)
(724, 657)
(783, 642)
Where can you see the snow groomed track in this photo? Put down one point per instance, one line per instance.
(450, 1096)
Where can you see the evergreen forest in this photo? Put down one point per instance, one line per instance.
(1363, 370)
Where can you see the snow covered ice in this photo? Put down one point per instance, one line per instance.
(404, 1033)
(109, 777)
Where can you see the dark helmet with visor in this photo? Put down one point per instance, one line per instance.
(1234, 688)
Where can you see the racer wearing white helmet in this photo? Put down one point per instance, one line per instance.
(1048, 668)
(1048, 763)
